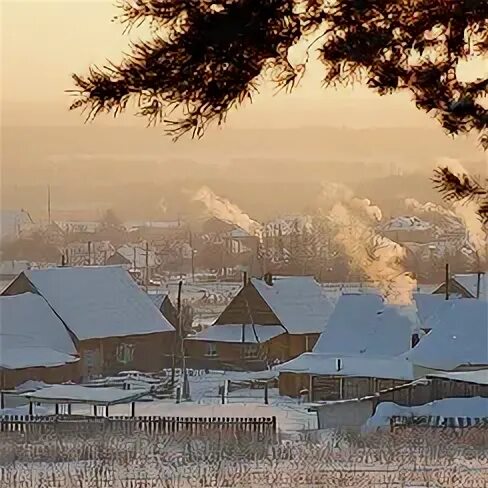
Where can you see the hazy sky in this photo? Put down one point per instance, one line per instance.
(44, 41)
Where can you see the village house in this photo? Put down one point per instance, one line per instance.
(270, 320)
(34, 343)
(358, 353)
(468, 285)
(114, 323)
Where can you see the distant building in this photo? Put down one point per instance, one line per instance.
(12, 222)
(114, 323)
(468, 285)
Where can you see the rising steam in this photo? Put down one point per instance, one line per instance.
(225, 210)
(379, 258)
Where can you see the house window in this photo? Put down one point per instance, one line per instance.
(125, 353)
(211, 349)
(251, 351)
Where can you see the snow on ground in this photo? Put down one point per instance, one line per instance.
(206, 401)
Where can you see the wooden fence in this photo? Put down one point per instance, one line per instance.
(147, 424)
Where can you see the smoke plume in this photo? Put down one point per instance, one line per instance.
(225, 210)
(379, 258)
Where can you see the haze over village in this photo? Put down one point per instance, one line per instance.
(292, 285)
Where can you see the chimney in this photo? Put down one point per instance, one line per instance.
(338, 364)
(268, 279)
(415, 340)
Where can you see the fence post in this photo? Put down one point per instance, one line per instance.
(266, 399)
(178, 394)
(225, 392)
(133, 409)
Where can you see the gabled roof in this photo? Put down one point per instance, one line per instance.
(158, 299)
(297, 301)
(31, 334)
(429, 308)
(363, 324)
(233, 333)
(469, 282)
(460, 340)
(98, 301)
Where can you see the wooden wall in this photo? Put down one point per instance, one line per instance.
(149, 352)
(10, 378)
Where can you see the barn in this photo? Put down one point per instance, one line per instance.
(271, 319)
(114, 323)
(34, 343)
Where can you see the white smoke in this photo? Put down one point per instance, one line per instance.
(379, 258)
(467, 211)
(225, 210)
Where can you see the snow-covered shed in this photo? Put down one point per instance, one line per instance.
(460, 341)
(294, 308)
(115, 324)
(34, 343)
(362, 341)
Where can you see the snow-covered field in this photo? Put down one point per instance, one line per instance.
(298, 456)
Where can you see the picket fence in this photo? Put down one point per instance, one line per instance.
(146, 424)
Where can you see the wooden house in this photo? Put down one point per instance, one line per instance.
(270, 320)
(114, 323)
(358, 352)
(34, 343)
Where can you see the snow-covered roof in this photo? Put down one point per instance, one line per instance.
(475, 407)
(429, 308)
(478, 376)
(297, 301)
(460, 339)
(352, 366)
(469, 282)
(98, 301)
(233, 333)
(85, 394)
(128, 251)
(31, 334)
(158, 298)
(363, 324)
(407, 223)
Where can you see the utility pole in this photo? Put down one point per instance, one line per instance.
(447, 281)
(147, 267)
(192, 257)
(49, 204)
